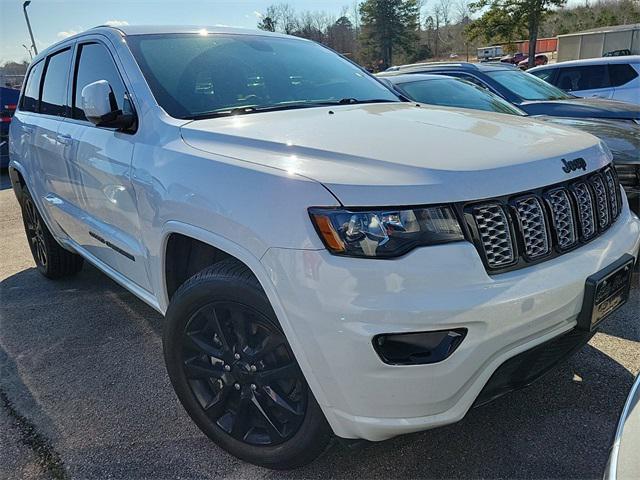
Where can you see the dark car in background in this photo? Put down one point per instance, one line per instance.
(448, 92)
(540, 59)
(8, 102)
(622, 138)
(514, 59)
(527, 92)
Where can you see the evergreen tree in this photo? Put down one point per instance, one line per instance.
(388, 25)
(504, 19)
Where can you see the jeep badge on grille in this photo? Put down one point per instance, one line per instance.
(573, 165)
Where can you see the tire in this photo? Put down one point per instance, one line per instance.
(52, 260)
(235, 374)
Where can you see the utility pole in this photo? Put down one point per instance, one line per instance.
(26, 17)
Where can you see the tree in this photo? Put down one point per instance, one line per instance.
(267, 24)
(318, 26)
(341, 36)
(388, 25)
(463, 12)
(497, 26)
(430, 32)
(584, 17)
(281, 17)
(507, 17)
(443, 11)
(313, 25)
(442, 18)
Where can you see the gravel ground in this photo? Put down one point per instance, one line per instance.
(84, 394)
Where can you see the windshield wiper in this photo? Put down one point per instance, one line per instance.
(257, 108)
(243, 110)
(356, 101)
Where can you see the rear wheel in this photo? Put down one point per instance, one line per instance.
(51, 259)
(234, 371)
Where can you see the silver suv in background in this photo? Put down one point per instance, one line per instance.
(614, 78)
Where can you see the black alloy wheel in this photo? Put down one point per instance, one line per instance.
(243, 374)
(35, 233)
(235, 373)
(52, 260)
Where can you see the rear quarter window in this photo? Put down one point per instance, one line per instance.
(621, 73)
(31, 95)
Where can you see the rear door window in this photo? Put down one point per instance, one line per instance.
(469, 78)
(621, 73)
(95, 63)
(54, 87)
(474, 80)
(456, 93)
(31, 95)
(589, 77)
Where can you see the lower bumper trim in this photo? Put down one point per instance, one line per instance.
(525, 368)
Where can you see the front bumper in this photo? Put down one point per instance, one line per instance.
(334, 306)
(523, 369)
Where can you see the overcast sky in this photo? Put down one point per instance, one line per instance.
(52, 20)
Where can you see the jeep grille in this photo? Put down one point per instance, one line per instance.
(514, 231)
(495, 234)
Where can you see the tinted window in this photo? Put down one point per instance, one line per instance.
(621, 73)
(54, 87)
(583, 78)
(545, 75)
(199, 75)
(95, 63)
(32, 89)
(526, 86)
(452, 92)
(470, 78)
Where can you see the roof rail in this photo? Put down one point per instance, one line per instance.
(440, 64)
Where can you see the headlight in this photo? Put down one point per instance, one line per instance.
(384, 233)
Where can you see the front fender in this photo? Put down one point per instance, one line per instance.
(263, 276)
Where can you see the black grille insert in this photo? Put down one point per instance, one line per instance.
(517, 230)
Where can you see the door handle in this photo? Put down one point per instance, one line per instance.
(64, 139)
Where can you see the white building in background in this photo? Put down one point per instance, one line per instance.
(599, 41)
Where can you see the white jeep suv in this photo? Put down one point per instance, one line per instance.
(330, 259)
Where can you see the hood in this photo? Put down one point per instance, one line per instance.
(400, 153)
(622, 138)
(583, 108)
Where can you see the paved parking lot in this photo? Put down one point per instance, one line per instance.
(84, 394)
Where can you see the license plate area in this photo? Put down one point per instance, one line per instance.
(605, 292)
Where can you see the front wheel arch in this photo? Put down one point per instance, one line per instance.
(253, 264)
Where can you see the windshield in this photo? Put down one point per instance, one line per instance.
(527, 86)
(195, 76)
(453, 92)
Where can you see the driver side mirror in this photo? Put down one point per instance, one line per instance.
(101, 108)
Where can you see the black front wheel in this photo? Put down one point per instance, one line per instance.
(234, 371)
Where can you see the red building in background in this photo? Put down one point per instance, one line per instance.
(542, 45)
